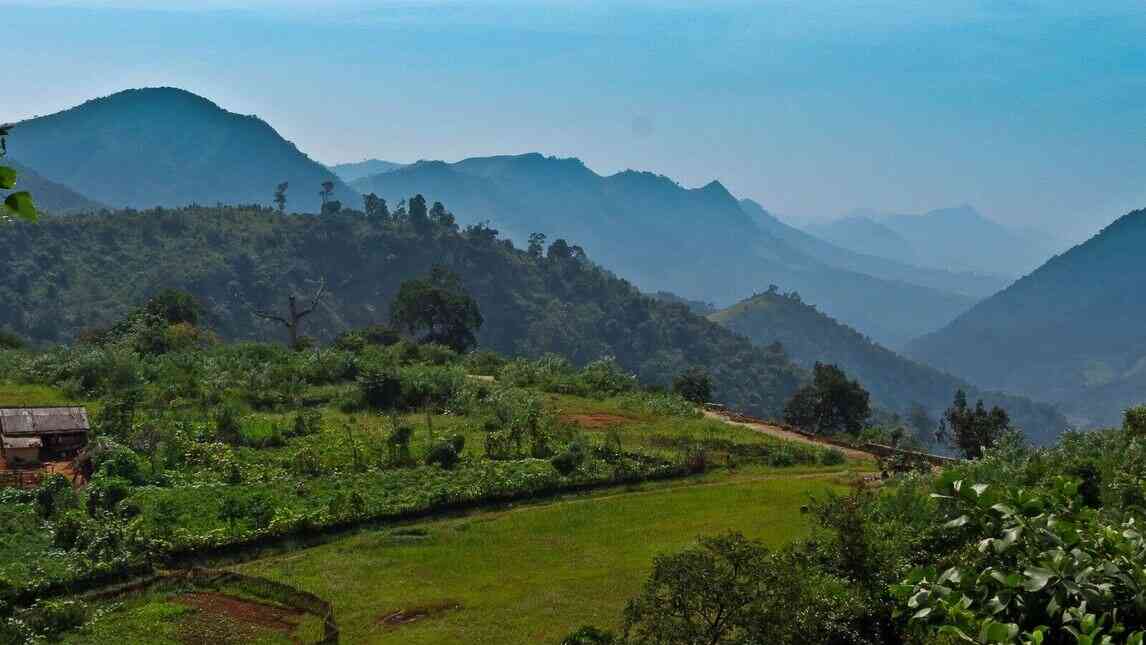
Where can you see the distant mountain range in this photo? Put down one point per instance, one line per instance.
(168, 147)
(898, 383)
(349, 172)
(953, 239)
(699, 243)
(1072, 332)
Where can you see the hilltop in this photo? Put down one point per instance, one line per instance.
(1071, 332)
(168, 147)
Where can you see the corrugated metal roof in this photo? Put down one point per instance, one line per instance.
(16, 443)
(37, 421)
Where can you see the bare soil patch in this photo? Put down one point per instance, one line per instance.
(396, 619)
(781, 433)
(596, 421)
(283, 619)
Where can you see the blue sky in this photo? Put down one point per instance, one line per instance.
(1034, 112)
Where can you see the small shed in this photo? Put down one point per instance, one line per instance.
(33, 435)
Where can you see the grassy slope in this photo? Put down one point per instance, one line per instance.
(526, 574)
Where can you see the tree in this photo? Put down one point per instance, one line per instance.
(375, 206)
(325, 193)
(560, 250)
(703, 595)
(442, 218)
(438, 308)
(17, 205)
(419, 214)
(174, 306)
(693, 384)
(973, 430)
(280, 197)
(829, 404)
(293, 319)
(536, 244)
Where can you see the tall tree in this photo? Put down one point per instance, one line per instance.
(325, 194)
(830, 404)
(280, 196)
(419, 214)
(375, 206)
(17, 205)
(438, 308)
(295, 314)
(973, 430)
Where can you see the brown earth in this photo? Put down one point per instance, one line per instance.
(283, 619)
(595, 421)
(395, 619)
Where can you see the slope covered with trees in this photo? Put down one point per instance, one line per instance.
(66, 275)
(168, 147)
(809, 337)
(1071, 332)
(698, 243)
(51, 197)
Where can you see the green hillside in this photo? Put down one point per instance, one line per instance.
(67, 274)
(809, 336)
(1071, 332)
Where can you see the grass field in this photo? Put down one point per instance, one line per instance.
(529, 573)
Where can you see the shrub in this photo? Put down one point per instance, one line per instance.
(693, 384)
(380, 387)
(588, 635)
(443, 454)
(53, 617)
(570, 459)
(228, 423)
(833, 457)
(398, 443)
(484, 362)
(105, 492)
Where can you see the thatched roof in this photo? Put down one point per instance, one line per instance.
(15, 422)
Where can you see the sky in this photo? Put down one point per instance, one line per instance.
(1033, 112)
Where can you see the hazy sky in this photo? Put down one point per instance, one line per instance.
(1034, 112)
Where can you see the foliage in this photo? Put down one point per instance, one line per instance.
(973, 430)
(830, 404)
(439, 308)
(17, 205)
(236, 261)
(694, 384)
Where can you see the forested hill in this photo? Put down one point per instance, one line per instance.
(167, 147)
(1071, 332)
(698, 243)
(808, 336)
(69, 273)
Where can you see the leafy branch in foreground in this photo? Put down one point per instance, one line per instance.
(17, 205)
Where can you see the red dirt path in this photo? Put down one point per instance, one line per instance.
(283, 619)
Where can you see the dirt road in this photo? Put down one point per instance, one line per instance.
(780, 433)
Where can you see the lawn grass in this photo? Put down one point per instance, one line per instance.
(536, 573)
(24, 395)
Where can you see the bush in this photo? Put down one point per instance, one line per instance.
(570, 459)
(228, 423)
(833, 457)
(588, 635)
(54, 617)
(105, 493)
(694, 385)
(380, 387)
(484, 363)
(442, 454)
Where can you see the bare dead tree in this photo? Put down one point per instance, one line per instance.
(293, 320)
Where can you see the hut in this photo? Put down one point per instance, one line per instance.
(30, 436)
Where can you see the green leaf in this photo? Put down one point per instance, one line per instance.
(957, 522)
(21, 205)
(7, 178)
(1037, 578)
(922, 613)
(980, 488)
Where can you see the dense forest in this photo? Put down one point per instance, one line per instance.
(1069, 333)
(66, 276)
(809, 336)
